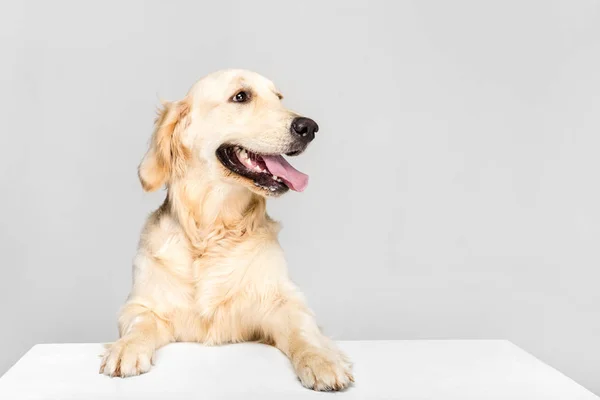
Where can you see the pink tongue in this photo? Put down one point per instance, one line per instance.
(278, 165)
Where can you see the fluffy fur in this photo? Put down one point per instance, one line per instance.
(209, 267)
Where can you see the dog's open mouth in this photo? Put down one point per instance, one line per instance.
(270, 172)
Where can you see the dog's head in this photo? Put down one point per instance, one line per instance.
(231, 127)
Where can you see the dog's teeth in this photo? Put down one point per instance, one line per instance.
(275, 177)
(273, 189)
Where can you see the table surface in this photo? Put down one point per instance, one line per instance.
(411, 369)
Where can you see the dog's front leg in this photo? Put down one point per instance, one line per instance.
(319, 364)
(142, 332)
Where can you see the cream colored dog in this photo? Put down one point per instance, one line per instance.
(209, 267)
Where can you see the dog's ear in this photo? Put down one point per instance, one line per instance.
(167, 156)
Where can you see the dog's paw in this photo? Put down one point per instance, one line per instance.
(127, 358)
(324, 370)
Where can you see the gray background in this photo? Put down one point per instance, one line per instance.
(454, 183)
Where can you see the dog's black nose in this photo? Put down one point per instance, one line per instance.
(305, 128)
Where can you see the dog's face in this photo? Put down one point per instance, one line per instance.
(233, 127)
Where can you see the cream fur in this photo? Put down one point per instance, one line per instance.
(209, 267)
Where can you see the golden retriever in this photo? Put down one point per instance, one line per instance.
(209, 267)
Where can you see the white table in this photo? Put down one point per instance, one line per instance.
(416, 370)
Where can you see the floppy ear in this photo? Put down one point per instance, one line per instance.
(167, 156)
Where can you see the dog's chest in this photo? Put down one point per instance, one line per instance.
(219, 279)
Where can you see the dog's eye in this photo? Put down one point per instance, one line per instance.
(241, 97)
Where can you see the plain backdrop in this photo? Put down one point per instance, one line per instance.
(454, 182)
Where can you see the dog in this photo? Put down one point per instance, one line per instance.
(209, 267)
